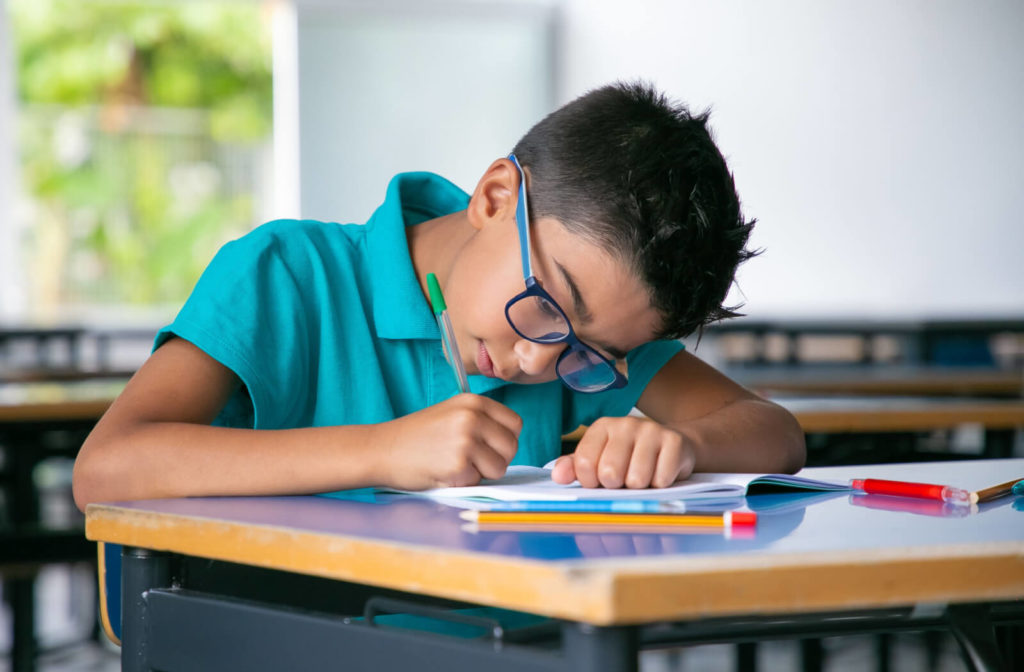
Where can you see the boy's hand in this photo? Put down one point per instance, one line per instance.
(456, 442)
(627, 452)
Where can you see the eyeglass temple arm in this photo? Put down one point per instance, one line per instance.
(522, 223)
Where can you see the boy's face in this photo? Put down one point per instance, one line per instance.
(609, 309)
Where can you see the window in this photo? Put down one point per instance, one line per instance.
(143, 136)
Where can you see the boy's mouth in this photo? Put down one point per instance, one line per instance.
(484, 363)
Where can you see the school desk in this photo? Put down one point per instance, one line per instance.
(878, 415)
(941, 340)
(43, 342)
(901, 414)
(29, 412)
(881, 379)
(845, 430)
(33, 353)
(57, 401)
(269, 583)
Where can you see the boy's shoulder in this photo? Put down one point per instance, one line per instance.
(296, 229)
(301, 237)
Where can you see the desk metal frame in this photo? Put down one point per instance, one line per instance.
(168, 626)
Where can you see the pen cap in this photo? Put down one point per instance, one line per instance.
(741, 517)
(436, 297)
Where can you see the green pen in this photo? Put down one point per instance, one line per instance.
(444, 323)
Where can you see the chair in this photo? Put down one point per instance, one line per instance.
(109, 563)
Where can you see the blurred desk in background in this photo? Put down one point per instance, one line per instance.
(71, 352)
(839, 428)
(901, 414)
(880, 379)
(987, 342)
(41, 347)
(61, 375)
(879, 429)
(41, 422)
(53, 404)
(965, 367)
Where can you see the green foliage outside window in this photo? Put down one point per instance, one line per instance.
(144, 132)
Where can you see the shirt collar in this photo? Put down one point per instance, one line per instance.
(400, 311)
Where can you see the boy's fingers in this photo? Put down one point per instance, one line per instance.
(614, 462)
(588, 454)
(501, 413)
(643, 462)
(673, 460)
(563, 471)
(500, 439)
(489, 463)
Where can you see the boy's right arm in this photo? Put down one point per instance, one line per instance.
(156, 441)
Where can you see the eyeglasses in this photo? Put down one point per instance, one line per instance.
(536, 316)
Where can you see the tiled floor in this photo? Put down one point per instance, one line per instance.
(844, 654)
(85, 657)
(65, 610)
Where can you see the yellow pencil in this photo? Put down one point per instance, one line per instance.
(741, 532)
(726, 519)
(995, 492)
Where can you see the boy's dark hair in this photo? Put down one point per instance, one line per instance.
(640, 176)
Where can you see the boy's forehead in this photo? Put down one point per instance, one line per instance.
(612, 295)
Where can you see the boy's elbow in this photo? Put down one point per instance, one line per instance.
(83, 484)
(788, 446)
(795, 446)
(796, 457)
(88, 479)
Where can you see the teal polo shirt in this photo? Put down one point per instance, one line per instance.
(325, 324)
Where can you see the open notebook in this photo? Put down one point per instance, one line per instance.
(534, 483)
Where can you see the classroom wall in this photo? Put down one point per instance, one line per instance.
(880, 144)
(402, 85)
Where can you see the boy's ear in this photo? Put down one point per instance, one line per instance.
(494, 198)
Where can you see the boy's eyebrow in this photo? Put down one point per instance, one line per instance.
(578, 304)
(581, 310)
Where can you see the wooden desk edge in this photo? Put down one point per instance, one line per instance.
(608, 592)
(64, 410)
(991, 416)
(1002, 386)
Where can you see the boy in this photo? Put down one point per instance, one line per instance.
(307, 358)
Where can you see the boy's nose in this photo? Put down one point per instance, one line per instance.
(536, 359)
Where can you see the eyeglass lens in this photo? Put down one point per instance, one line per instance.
(583, 370)
(537, 319)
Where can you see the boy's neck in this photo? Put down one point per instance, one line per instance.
(434, 244)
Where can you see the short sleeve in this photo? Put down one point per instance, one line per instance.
(248, 313)
(642, 364)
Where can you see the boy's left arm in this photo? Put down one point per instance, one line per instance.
(697, 419)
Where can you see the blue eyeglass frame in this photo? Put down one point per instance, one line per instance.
(534, 289)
